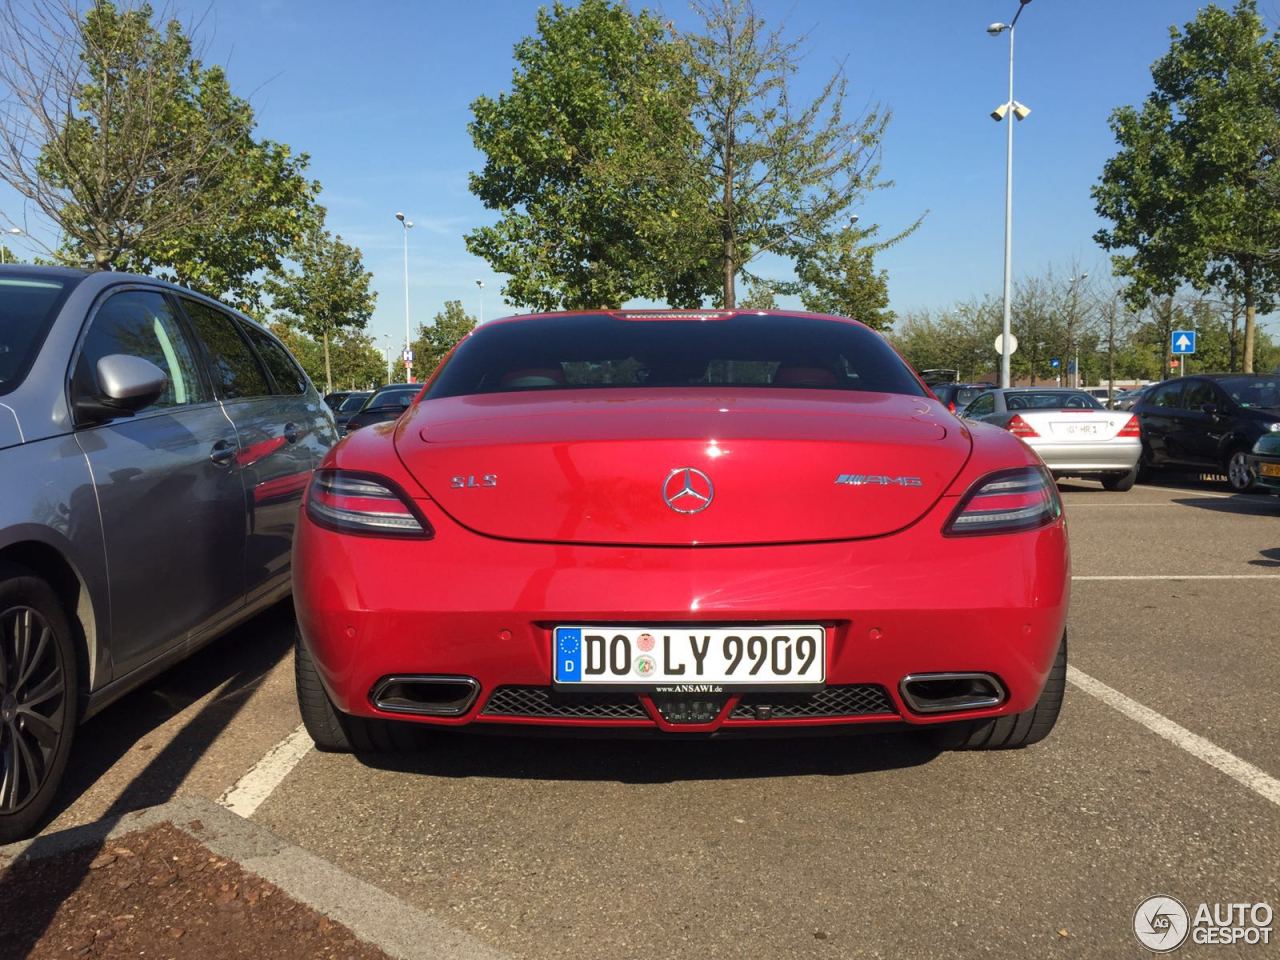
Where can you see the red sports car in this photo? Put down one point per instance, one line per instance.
(685, 522)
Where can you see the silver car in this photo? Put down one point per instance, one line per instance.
(1072, 432)
(154, 449)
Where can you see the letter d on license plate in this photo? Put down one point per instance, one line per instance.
(659, 656)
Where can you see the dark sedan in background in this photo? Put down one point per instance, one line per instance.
(154, 449)
(386, 404)
(350, 405)
(1209, 422)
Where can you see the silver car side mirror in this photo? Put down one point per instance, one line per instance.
(130, 382)
(126, 385)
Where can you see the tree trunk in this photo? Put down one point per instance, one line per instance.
(730, 227)
(1235, 334)
(328, 370)
(1249, 317)
(1111, 352)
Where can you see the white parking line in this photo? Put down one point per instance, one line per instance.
(1190, 576)
(1243, 772)
(256, 785)
(1197, 493)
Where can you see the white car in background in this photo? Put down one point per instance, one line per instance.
(1074, 434)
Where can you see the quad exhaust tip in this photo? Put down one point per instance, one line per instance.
(951, 692)
(426, 695)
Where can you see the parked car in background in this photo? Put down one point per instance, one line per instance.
(1264, 461)
(334, 400)
(1072, 432)
(351, 405)
(387, 403)
(1127, 399)
(154, 449)
(1209, 422)
(957, 396)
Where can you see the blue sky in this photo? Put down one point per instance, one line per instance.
(378, 94)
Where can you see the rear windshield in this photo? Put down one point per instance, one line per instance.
(1253, 391)
(965, 395)
(27, 308)
(1051, 400)
(599, 351)
(353, 403)
(397, 397)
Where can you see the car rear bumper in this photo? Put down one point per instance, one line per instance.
(1256, 464)
(1111, 456)
(465, 605)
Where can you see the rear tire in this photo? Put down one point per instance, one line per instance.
(1120, 482)
(336, 732)
(1020, 729)
(39, 700)
(1239, 476)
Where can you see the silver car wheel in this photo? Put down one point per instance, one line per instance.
(1238, 473)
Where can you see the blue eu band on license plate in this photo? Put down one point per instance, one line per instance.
(649, 655)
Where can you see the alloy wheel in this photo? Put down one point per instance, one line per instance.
(1238, 473)
(32, 704)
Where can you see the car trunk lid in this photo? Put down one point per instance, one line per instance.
(633, 466)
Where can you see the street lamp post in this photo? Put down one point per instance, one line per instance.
(1000, 113)
(4, 250)
(408, 364)
(480, 287)
(1073, 340)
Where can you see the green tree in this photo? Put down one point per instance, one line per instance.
(329, 291)
(140, 154)
(837, 274)
(587, 161)
(780, 176)
(435, 341)
(1191, 194)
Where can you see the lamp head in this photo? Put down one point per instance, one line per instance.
(400, 216)
(1021, 110)
(996, 29)
(999, 112)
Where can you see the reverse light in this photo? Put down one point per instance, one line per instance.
(1131, 429)
(1020, 428)
(363, 503)
(1007, 502)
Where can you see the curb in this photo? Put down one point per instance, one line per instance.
(375, 916)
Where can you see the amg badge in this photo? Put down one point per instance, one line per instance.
(874, 480)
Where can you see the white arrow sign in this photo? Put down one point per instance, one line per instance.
(1183, 342)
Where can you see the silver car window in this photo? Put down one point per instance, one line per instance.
(140, 323)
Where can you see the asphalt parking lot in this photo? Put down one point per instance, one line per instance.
(869, 846)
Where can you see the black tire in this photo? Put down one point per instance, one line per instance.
(336, 732)
(1020, 729)
(1120, 482)
(1236, 467)
(37, 723)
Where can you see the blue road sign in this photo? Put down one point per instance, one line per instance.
(1183, 341)
(1055, 363)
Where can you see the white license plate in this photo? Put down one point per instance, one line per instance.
(1077, 429)
(656, 656)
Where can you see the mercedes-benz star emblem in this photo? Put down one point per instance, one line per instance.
(687, 490)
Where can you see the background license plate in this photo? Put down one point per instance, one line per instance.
(1269, 469)
(649, 656)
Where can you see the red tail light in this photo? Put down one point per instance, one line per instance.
(363, 503)
(951, 406)
(1130, 429)
(1007, 502)
(1020, 428)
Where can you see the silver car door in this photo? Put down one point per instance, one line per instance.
(167, 484)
